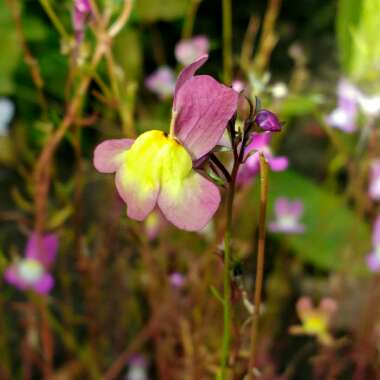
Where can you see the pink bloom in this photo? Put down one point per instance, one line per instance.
(31, 272)
(161, 82)
(287, 215)
(238, 85)
(373, 258)
(187, 51)
(251, 167)
(374, 185)
(156, 169)
(81, 13)
(344, 116)
(177, 280)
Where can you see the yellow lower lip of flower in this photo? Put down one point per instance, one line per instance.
(315, 325)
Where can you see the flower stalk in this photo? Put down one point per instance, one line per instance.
(260, 265)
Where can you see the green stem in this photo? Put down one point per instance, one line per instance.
(54, 19)
(222, 375)
(188, 26)
(227, 41)
(260, 264)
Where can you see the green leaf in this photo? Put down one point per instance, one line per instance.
(59, 217)
(335, 237)
(357, 37)
(297, 105)
(153, 10)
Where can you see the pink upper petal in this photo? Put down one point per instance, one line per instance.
(13, 278)
(44, 248)
(194, 206)
(203, 108)
(186, 74)
(281, 207)
(108, 154)
(259, 141)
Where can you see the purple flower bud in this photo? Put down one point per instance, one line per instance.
(268, 121)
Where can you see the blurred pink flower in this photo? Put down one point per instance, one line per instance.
(238, 85)
(287, 215)
(31, 272)
(374, 182)
(373, 258)
(187, 51)
(137, 368)
(156, 169)
(315, 321)
(177, 280)
(251, 167)
(81, 13)
(344, 116)
(161, 82)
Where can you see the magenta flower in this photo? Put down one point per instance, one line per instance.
(251, 167)
(156, 169)
(81, 13)
(287, 215)
(31, 272)
(187, 51)
(373, 258)
(177, 280)
(161, 82)
(374, 183)
(344, 116)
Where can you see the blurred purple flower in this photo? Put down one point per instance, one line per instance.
(177, 280)
(137, 368)
(373, 258)
(81, 13)
(268, 121)
(374, 183)
(31, 272)
(187, 51)
(344, 116)
(287, 215)
(161, 82)
(251, 167)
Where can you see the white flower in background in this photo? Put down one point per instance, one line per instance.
(7, 110)
(279, 90)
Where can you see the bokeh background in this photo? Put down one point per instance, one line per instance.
(140, 301)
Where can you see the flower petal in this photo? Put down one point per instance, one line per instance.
(190, 204)
(187, 73)
(203, 107)
(278, 164)
(376, 232)
(12, 277)
(43, 248)
(108, 155)
(44, 284)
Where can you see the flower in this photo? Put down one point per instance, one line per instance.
(373, 258)
(374, 185)
(238, 85)
(268, 121)
(177, 280)
(7, 110)
(288, 214)
(31, 272)
(315, 321)
(344, 116)
(370, 105)
(251, 166)
(137, 369)
(188, 50)
(161, 82)
(156, 169)
(279, 90)
(81, 13)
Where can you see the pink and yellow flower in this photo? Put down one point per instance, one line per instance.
(315, 321)
(157, 169)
